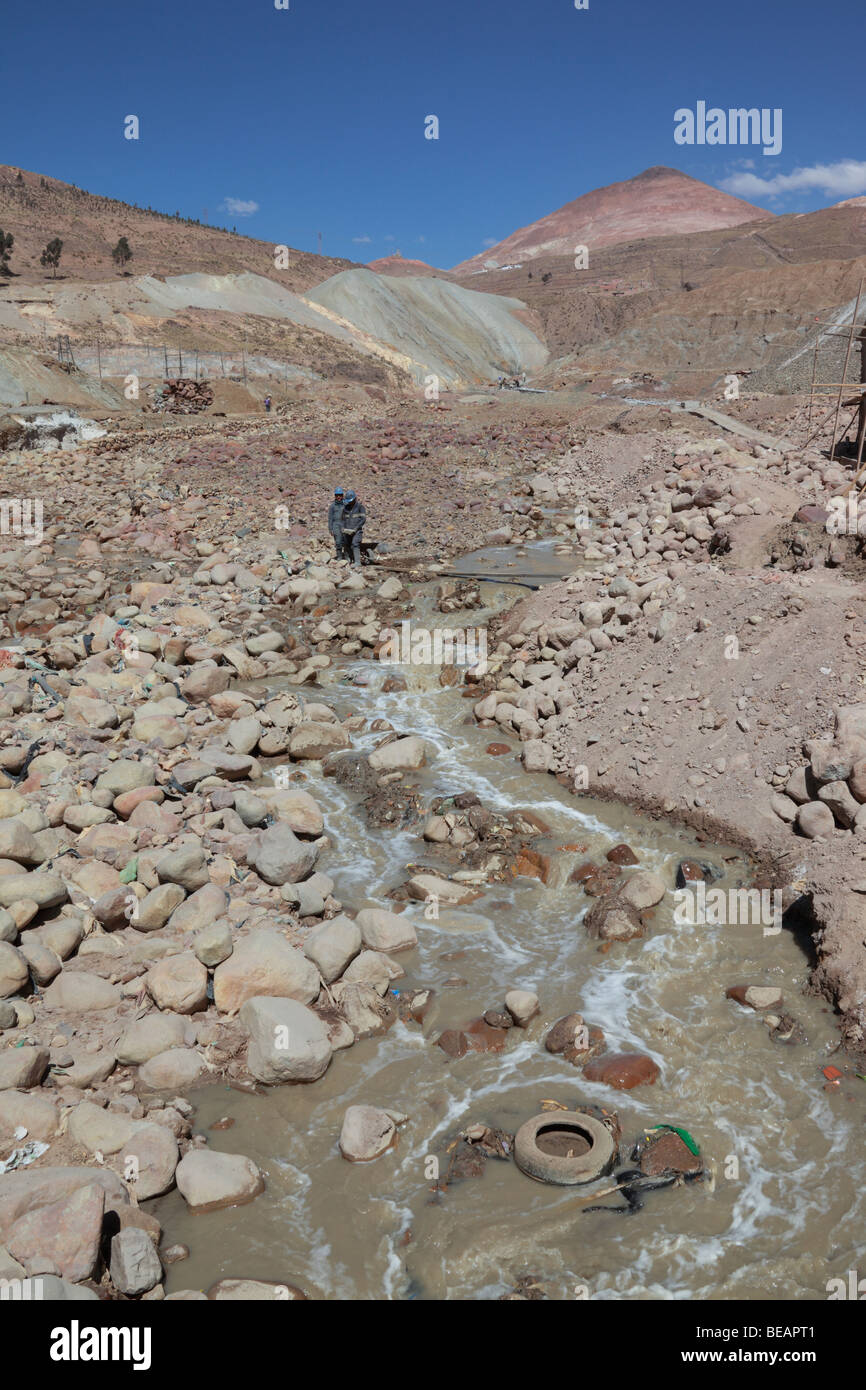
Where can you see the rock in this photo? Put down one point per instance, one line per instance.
(147, 1037)
(830, 763)
(186, 867)
(126, 776)
(253, 1290)
(244, 734)
(61, 1236)
(297, 809)
(178, 983)
(202, 907)
(17, 842)
(427, 886)
(213, 944)
(172, 1070)
(784, 807)
(314, 740)
(21, 1067)
(27, 1190)
(523, 1005)
(612, 918)
(156, 908)
(14, 971)
(38, 1115)
(385, 931)
(642, 889)
(843, 805)
(288, 1041)
(209, 1181)
(621, 854)
(263, 963)
(574, 1039)
(135, 1266)
(536, 756)
(332, 946)
(44, 889)
(800, 786)
(814, 819)
(401, 753)
(80, 992)
(365, 1012)
(280, 857)
(204, 680)
(755, 996)
(366, 1134)
(622, 1070)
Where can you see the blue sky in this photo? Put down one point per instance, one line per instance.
(312, 118)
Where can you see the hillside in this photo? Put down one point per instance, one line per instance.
(658, 202)
(399, 264)
(36, 209)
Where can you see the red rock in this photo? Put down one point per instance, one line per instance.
(623, 1070)
(622, 854)
(497, 749)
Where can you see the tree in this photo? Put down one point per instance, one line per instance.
(121, 253)
(51, 255)
(6, 243)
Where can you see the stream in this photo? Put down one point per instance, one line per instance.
(783, 1213)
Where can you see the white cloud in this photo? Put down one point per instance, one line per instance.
(240, 207)
(844, 179)
(362, 240)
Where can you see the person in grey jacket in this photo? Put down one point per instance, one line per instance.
(352, 521)
(335, 512)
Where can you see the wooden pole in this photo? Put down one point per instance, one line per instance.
(845, 370)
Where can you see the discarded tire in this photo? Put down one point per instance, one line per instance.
(564, 1147)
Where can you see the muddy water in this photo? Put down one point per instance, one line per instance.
(786, 1211)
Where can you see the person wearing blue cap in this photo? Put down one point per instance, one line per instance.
(352, 521)
(335, 512)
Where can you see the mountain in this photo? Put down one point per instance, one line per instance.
(398, 264)
(35, 209)
(658, 202)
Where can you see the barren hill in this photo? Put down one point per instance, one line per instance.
(658, 202)
(36, 209)
(399, 264)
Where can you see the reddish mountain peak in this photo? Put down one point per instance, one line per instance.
(398, 264)
(658, 202)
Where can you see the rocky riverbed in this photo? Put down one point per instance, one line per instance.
(287, 923)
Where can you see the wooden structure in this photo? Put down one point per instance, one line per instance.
(843, 394)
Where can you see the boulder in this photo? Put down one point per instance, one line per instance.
(14, 970)
(401, 753)
(332, 946)
(62, 1236)
(314, 740)
(22, 1067)
(178, 983)
(523, 1005)
(622, 1070)
(135, 1266)
(186, 866)
(172, 1070)
(366, 1134)
(79, 992)
(209, 1181)
(814, 820)
(147, 1037)
(280, 857)
(385, 931)
(263, 963)
(642, 889)
(288, 1041)
(44, 889)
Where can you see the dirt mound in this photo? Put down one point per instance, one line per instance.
(434, 326)
(29, 378)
